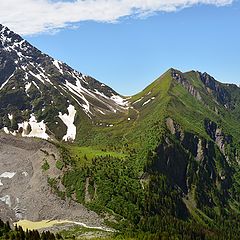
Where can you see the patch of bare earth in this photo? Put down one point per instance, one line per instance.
(27, 195)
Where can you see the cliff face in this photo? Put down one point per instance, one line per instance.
(217, 89)
(198, 161)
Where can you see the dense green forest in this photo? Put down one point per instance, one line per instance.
(155, 211)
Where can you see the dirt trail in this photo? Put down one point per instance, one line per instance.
(25, 193)
(138, 115)
(133, 125)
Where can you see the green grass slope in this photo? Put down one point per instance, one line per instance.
(167, 167)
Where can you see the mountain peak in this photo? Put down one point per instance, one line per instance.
(41, 96)
(8, 37)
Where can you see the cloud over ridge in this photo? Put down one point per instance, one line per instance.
(28, 17)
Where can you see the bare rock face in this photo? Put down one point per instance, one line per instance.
(216, 88)
(200, 150)
(195, 155)
(174, 128)
(190, 88)
(218, 136)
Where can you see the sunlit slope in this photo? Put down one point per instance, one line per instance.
(176, 154)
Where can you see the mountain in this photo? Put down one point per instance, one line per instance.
(181, 168)
(162, 163)
(40, 96)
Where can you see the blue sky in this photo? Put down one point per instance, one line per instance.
(129, 54)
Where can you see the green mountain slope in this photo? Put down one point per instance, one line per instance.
(175, 167)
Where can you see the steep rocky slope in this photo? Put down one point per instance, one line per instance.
(42, 97)
(25, 192)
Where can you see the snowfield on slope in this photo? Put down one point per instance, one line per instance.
(38, 129)
(68, 120)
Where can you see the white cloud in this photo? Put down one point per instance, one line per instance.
(35, 16)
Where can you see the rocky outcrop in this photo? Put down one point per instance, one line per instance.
(189, 141)
(191, 160)
(174, 128)
(217, 135)
(25, 192)
(188, 86)
(217, 89)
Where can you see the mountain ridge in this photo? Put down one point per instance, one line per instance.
(38, 73)
(162, 160)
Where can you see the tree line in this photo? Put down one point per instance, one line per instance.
(7, 233)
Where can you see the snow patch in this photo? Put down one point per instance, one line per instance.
(68, 120)
(119, 100)
(56, 63)
(38, 129)
(10, 117)
(76, 90)
(139, 100)
(6, 199)
(27, 86)
(101, 111)
(5, 129)
(37, 87)
(25, 174)
(148, 101)
(38, 76)
(6, 175)
(101, 94)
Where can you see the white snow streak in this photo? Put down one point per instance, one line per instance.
(5, 129)
(148, 101)
(27, 86)
(139, 100)
(10, 117)
(25, 174)
(76, 90)
(6, 81)
(68, 120)
(57, 65)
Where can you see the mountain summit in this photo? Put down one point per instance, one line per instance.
(42, 97)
